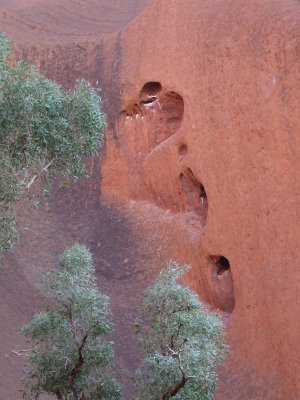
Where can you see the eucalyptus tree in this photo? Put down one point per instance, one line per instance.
(183, 342)
(71, 355)
(44, 132)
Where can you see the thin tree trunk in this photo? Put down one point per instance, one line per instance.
(59, 396)
(175, 389)
(79, 364)
(179, 385)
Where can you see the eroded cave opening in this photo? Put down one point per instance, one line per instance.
(148, 120)
(222, 283)
(222, 265)
(193, 194)
(149, 92)
(163, 112)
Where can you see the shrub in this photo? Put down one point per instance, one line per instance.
(182, 341)
(69, 352)
(44, 132)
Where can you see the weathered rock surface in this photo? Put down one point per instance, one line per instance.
(64, 21)
(218, 133)
(203, 142)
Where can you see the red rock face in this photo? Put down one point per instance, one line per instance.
(208, 131)
(203, 106)
(65, 21)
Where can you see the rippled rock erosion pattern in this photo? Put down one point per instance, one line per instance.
(202, 151)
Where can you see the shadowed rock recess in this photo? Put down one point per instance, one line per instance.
(202, 158)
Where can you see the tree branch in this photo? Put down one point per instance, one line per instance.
(171, 392)
(33, 178)
(31, 181)
(21, 353)
(45, 169)
(79, 363)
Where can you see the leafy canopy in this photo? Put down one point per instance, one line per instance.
(44, 132)
(69, 353)
(183, 343)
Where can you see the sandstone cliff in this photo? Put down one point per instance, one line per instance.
(209, 128)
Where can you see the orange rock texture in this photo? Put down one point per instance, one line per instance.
(209, 127)
(202, 99)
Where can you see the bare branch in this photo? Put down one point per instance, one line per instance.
(79, 362)
(45, 169)
(21, 353)
(171, 392)
(33, 178)
(31, 181)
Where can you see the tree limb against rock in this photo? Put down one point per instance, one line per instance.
(184, 378)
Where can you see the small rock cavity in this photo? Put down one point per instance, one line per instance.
(150, 92)
(161, 112)
(222, 283)
(182, 151)
(193, 194)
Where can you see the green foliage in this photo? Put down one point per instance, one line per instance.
(44, 132)
(183, 342)
(69, 353)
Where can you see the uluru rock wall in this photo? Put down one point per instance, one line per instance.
(203, 141)
(65, 21)
(208, 130)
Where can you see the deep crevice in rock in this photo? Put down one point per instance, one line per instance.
(222, 283)
(193, 194)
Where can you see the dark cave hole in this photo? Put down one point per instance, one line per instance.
(202, 193)
(149, 92)
(222, 283)
(222, 265)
